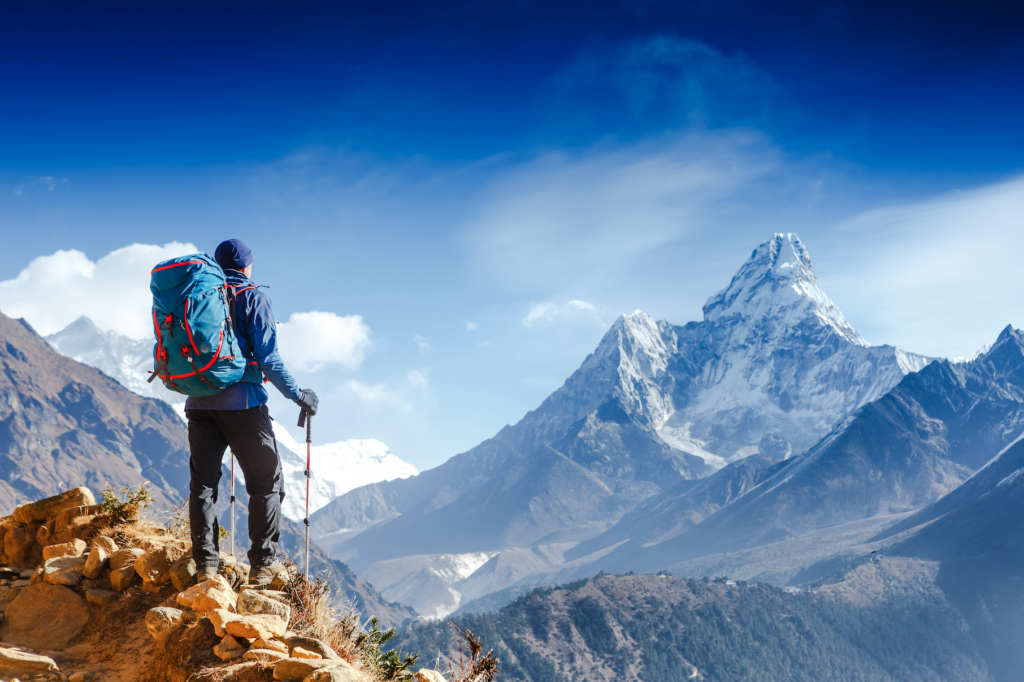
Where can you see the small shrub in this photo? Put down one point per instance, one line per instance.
(124, 505)
(479, 667)
(387, 666)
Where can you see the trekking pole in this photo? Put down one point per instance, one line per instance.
(232, 502)
(307, 420)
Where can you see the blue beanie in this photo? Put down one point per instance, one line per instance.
(233, 255)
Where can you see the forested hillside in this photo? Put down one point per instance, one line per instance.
(659, 629)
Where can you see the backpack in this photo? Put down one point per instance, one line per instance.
(196, 351)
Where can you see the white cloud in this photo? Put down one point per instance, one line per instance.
(549, 312)
(379, 395)
(418, 378)
(55, 290)
(422, 343)
(52, 183)
(308, 341)
(472, 326)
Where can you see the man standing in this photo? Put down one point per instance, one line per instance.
(237, 418)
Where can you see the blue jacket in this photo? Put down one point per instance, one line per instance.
(257, 337)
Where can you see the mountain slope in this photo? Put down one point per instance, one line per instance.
(64, 424)
(902, 452)
(769, 371)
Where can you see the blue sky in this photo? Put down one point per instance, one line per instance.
(487, 186)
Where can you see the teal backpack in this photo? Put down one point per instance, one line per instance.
(196, 351)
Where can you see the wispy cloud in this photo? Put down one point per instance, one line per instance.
(472, 326)
(379, 395)
(53, 183)
(423, 344)
(418, 378)
(548, 312)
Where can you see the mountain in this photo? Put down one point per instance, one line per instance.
(655, 628)
(771, 368)
(911, 448)
(337, 467)
(64, 424)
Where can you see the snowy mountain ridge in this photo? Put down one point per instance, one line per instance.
(337, 467)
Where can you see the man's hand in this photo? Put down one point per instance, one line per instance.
(308, 401)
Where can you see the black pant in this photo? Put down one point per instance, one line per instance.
(250, 436)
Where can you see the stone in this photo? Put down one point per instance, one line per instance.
(27, 573)
(272, 644)
(73, 548)
(214, 593)
(36, 578)
(253, 602)
(18, 542)
(106, 543)
(299, 652)
(183, 572)
(13, 661)
(45, 509)
(97, 562)
(264, 655)
(260, 626)
(77, 677)
(280, 581)
(46, 617)
(425, 675)
(219, 618)
(100, 597)
(298, 669)
(155, 564)
(150, 587)
(125, 557)
(339, 672)
(229, 649)
(65, 570)
(123, 578)
(75, 516)
(162, 621)
(310, 644)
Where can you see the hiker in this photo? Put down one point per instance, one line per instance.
(237, 418)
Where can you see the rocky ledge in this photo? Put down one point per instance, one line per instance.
(82, 600)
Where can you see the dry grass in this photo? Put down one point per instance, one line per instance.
(318, 613)
(474, 664)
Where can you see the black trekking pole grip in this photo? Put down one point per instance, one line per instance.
(302, 417)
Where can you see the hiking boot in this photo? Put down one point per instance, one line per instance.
(205, 573)
(264, 575)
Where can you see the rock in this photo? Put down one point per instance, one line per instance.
(299, 652)
(229, 649)
(77, 677)
(49, 507)
(36, 578)
(252, 602)
(162, 621)
(271, 644)
(155, 564)
(298, 669)
(75, 516)
(73, 548)
(280, 580)
(183, 572)
(123, 578)
(101, 597)
(264, 655)
(261, 626)
(106, 543)
(214, 593)
(18, 542)
(219, 618)
(13, 661)
(46, 617)
(150, 587)
(27, 573)
(125, 557)
(339, 672)
(425, 675)
(65, 570)
(310, 644)
(97, 562)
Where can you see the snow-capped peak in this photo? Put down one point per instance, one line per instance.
(778, 282)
